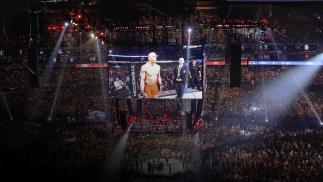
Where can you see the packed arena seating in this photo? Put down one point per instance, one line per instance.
(234, 141)
(221, 151)
(69, 127)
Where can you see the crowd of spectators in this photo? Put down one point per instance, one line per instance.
(71, 151)
(272, 156)
(251, 100)
(223, 150)
(48, 128)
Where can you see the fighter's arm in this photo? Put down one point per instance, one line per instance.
(142, 80)
(159, 79)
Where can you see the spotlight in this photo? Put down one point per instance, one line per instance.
(92, 35)
(66, 24)
(110, 51)
(102, 42)
(266, 120)
(189, 30)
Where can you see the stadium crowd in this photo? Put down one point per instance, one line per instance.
(51, 129)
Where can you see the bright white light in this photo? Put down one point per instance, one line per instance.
(280, 93)
(110, 51)
(254, 108)
(189, 30)
(307, 99)
(50, 64)
(266, 120)
(66, 24)
(102, 42)
(306, 47)
(117, 156)
(4, 100)
(92, 35)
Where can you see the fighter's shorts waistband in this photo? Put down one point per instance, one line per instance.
(151, 84)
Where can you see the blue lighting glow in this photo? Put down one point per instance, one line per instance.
(128, 56)
(291, 63)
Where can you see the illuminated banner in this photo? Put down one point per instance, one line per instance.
(269, 63)
(215, 63)
(291, 63)
(98, 65)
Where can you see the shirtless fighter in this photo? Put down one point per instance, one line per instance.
(150, 80)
